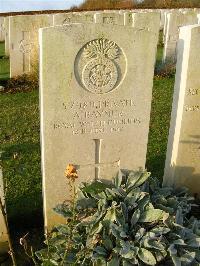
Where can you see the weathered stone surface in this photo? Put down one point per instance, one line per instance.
(6, 25)
(75, 17)
(146, 21)
(175, 20)
(95, 103)
(3, 230)
(24, 42)
(114, 18)
(2, 29)
(182, 166)
(142, 20)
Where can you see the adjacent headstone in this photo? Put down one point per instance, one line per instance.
(128, 18)
(145, 20)
(24, 42)
(95, 103)
(3, 230)
(198, 17)
(75, 17)
(2, 29)
(162, 18)
(175, 20)
(6, 24)
(182, 167)
(165, 24)
(114, 18)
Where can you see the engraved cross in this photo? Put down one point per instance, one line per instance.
(25, 46)
(97, 165)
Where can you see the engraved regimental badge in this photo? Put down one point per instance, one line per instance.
(100, 66)
(25, 46)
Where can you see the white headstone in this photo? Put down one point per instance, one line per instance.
(182, 167)
(165, 24)
(146, 21)
(162, 18)
(95, 103)
(75, 17)
(3, 230)
(114, 18)
(24, 42)
(175, 20)
(2, 29)
(6, 24)
(198, 17)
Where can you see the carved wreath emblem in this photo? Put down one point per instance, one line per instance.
(100, 66)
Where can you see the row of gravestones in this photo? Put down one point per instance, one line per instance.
(21, 32)
(95, 100)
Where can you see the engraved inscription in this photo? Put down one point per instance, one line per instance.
(192, 108)
(192, 92)
(25, 45)
(108, 20)
(66, 20)
(100, 66)
(99, 117)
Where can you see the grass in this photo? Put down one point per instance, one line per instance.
(19, 138)
(159, 124)
(4, 64)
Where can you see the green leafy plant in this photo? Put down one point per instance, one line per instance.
(132, 220)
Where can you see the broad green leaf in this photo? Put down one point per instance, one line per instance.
(142, 179)
(160, 255)
(146, 256)
(100, 250)
(153, 244)
(96, 228)
(128, 263)
(96, 187)
(173, 253)
(140, 233)
(64, 210)
(194, 242)
(58, 240)
(135, 179)
(108, 243)
(160, 230)
(114, 261)
(188, 258)
(63, 229)
(112, 194)
(165, 208)
(179, 242)
(110, 215)
(118, 179)
(115, 230)
(151, 215)
(179, 216)
(124, 211)
(86, 203)
(143, 203)
(135, 217)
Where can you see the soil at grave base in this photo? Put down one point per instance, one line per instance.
(17, 89)
(24, 83)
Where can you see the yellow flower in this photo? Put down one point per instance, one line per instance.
(71, 172)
